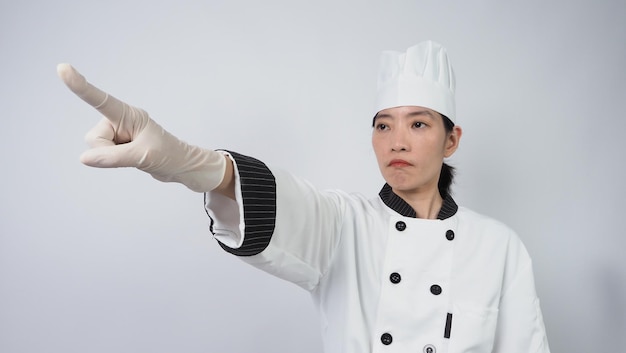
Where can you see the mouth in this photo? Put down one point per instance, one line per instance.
(399, 163)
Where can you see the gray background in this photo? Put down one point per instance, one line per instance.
(114, 261)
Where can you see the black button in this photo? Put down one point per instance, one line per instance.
(386, 339)
(435, 289)
(450, 234)
(395, 277)
(400, 225)
(429, 348)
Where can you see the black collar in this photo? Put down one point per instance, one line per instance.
(396, 203)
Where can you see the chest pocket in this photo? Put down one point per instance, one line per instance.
(473, 329)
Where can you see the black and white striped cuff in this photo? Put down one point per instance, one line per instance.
(258, 191)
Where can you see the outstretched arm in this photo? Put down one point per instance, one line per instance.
(128, 137)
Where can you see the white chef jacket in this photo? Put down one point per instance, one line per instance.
(383, 280)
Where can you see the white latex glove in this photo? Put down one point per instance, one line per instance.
(127, 137)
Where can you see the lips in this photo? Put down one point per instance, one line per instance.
(399, 163)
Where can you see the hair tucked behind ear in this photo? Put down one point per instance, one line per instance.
(447, 172)
(445, 180)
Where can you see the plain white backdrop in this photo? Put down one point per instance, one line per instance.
(115, 261)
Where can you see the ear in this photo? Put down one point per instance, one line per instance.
(452, 141)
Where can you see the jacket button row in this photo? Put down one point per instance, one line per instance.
(435, 289)
(401, 226)
(395, 278)
(386, 339)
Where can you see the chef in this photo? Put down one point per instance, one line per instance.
(405, 271)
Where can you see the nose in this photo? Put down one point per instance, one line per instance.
(399, 140)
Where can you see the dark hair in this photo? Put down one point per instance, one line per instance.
(447, 171)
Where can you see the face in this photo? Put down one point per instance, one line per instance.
(410, 144)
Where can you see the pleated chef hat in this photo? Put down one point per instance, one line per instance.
(422, 76)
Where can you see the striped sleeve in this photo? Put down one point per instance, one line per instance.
(258, 191)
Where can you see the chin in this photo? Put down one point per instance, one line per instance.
(408, 186)
(401, 186)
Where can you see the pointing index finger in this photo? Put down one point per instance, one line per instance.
(108, 105)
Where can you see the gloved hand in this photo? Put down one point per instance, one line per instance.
(127, 137)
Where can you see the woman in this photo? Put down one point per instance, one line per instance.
(406, 271)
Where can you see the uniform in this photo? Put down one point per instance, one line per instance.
(383, 280)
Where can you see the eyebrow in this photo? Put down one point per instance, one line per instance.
(409, 115)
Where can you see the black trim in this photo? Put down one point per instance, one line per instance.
(396, 203)
(258, 190)
(446, 331)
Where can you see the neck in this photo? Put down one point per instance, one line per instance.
(426, 204)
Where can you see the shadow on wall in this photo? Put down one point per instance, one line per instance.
(611, 285)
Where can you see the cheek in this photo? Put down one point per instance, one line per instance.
(438, 145)
(378, 150)
(430, 153)
(376, 145)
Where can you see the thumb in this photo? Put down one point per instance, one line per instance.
(114, 156)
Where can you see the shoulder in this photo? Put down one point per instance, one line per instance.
(478, 225)
(478, 221)
(483, 237)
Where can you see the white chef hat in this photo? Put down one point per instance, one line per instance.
(422, 76)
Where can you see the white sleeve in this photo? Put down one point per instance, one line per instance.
(520, 327)
(278, 223)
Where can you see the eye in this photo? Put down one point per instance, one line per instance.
(418, 124)
(381, 126)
